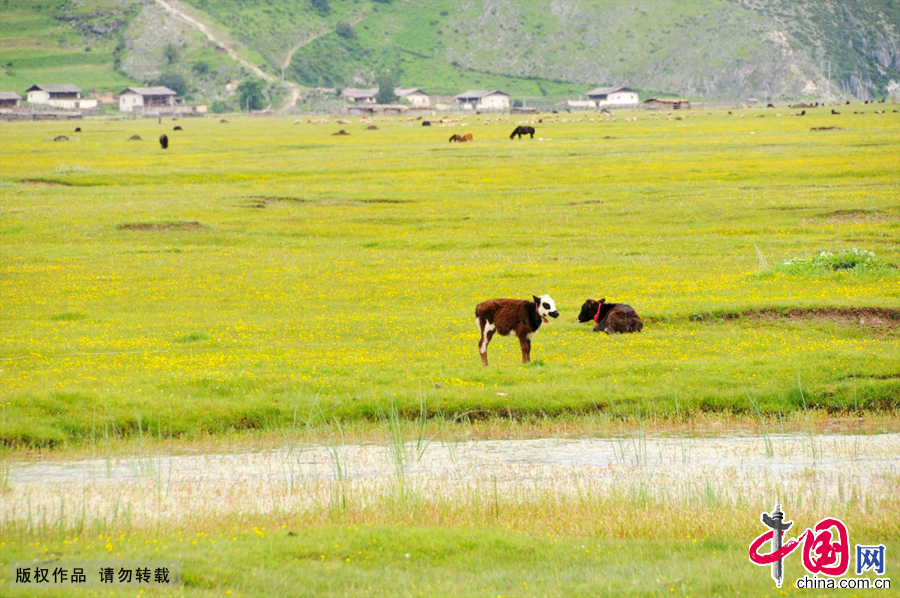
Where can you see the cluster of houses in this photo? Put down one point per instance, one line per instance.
(496, 100)
(130, 100)
(156, 100)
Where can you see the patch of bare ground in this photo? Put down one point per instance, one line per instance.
(792, 208)
(261, 201)
(44, 182)
(870, 317)
(161, 226)
(849, 217)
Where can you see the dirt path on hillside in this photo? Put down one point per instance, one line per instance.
(295, 90)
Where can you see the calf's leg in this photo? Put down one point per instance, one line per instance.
(487, 332)
(526, 349)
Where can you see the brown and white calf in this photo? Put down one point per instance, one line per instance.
(610, 317)
(509, 317)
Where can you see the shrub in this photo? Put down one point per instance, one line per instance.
(345, 30)
(854, 260)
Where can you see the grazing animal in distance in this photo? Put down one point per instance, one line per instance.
(177, 128)
(467, 137)
(509, 317)
(371, 128)
(770, 105)
(135, 138)
(833, 111)
(802, 113)
(426, 123)
(60, 138)
(610, 317)
(456, 138)
(163, 141)
(78, 129)
(341, 132)
(522, 130)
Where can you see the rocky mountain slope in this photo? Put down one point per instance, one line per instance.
(717, 49)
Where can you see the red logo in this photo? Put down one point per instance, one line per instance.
(823, 551)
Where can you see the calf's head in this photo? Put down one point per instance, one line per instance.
(545, 307)
(589, 310)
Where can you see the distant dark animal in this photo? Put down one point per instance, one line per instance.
(467, 137)
(610, 317)
(456, 138)
(522, 130)
(163, 141)
(78, 129)
(60, 138)
(867, 101)
(341, 132)
(770, 105)
(509, 317)
(802, 113)
(223, 121)
(847, 103)
(178, 128)
(833, 111)
(371, 128)
(135, 138)
(426, 123)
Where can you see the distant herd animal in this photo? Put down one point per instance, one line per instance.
(462, 138)
(523, 318)
(522, 130)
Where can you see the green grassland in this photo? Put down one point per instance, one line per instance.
(359, 560)
(258, 271)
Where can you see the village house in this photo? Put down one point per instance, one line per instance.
(483, 100)
(668, 104)
(9, 99)
(59, 96)
(135, 99)
(360, 96)
(414, 95)
(613, 96)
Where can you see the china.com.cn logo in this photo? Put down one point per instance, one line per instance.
(826, 548)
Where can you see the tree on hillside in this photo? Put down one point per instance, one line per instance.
(250, 93)
(345, 30)
(170, 53)
(385, 89)
(321, 5)
(173, 81)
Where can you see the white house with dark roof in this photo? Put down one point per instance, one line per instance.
(613, 96)
(9, 99)
(483, 100)
(135, 99)
(59, 96)
(414, 95)
(360, 96)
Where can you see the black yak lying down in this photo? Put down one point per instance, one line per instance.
(610, 317)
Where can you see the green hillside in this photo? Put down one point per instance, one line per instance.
(38, 45)
(541, 49)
